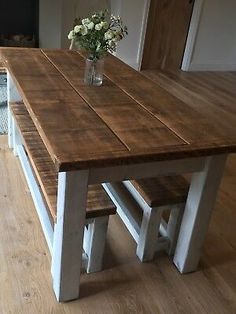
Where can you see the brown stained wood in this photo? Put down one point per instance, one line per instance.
(162, 191)
(68, 127)
(98, 202)
(130, 119)
(149, 95)
(133, 125)
(205, 92)
(167, 29)
(197, 125)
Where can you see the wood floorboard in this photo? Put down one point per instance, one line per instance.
(125, 285)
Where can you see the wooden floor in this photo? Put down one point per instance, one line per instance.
(126, 285)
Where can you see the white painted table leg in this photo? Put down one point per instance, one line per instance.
(68, 234)
(12, 96)
(196, 218)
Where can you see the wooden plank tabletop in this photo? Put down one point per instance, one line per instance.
(129, 119)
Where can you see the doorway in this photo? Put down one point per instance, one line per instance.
(166, 34)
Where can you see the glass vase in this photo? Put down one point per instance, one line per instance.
(93, 74)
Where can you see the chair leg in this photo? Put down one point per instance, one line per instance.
(94, 243)
(147, 244)
(173, 226)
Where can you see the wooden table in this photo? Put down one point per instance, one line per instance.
(128, 128)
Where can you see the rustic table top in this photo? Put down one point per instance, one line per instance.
(129, 119)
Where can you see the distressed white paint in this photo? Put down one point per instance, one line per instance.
(126, 207)
(95, 243)
(68, 234)
(173, 226)
(16, 139)
(12, 96)
(37, 197)
(147, 243)
(197, 213)
(142, 221)
(146, 170)
(169, 230)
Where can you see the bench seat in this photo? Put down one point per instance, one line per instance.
(142, 203)
(99, 205)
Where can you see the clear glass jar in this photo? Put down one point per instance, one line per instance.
(93, 74)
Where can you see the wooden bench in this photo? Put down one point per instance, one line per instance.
(141, 203)
(44, 177)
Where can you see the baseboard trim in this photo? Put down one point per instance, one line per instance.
(212, 67)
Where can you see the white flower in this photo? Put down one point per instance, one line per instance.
(84, 30)
(94, 16)
(71, 35)
(90, 25)
(104, 24)
(77, 28)
(86, 21)
(98, 27)
(109, 35)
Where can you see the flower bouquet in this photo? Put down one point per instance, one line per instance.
(97, 34)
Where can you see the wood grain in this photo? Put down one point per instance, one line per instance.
(98, 203)
(167, 29)
(162, 191)
(130, 119)
(126, 118)
(199, 126)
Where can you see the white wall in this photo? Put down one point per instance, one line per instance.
(134, 16)
(56, 19)
(215, 43)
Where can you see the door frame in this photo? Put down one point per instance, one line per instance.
(143, 33)
(192, 34)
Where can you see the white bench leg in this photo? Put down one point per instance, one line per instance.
(68, 234)
(197, 213)
(12, 96)
(94, 243)
(173, 226)
(147, 243)
(15, 137)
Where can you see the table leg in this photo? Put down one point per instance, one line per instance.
(68, 234)
(199, 205)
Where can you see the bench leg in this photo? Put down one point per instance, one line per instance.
(12, 96)
(147, 244)
(173, 226)
(197, 213)
(95, 243)
(68, 234)
(15, 137)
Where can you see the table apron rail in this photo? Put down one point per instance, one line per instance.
(146, 170)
